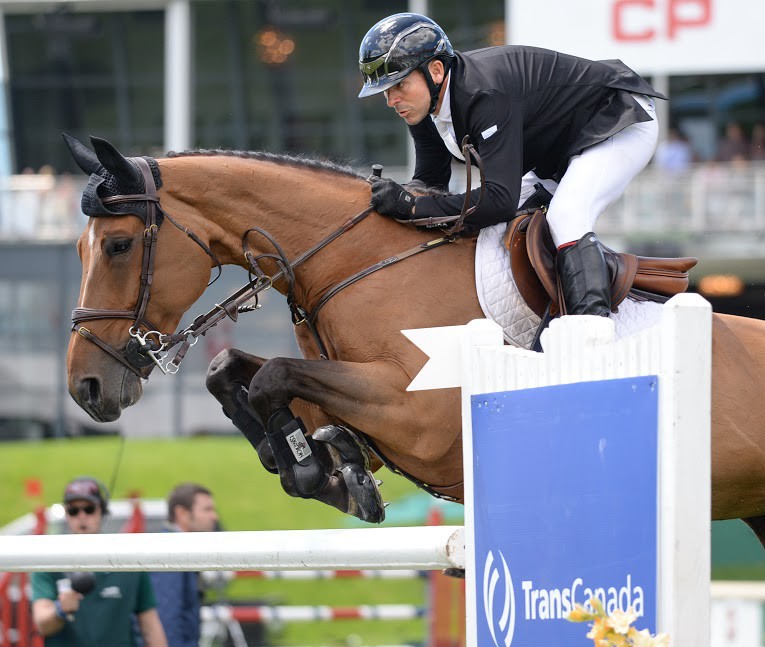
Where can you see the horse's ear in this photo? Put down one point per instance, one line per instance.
(115, 162)
(84, 157)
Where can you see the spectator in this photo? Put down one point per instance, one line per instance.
(103, 616)
(757, 145)
(733, 145)
(674, 154)
(190, 508)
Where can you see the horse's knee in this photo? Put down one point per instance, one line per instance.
(230, 367)
(269, 388)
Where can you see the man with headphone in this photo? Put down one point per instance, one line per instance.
(104, 615)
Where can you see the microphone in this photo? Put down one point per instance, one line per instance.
(83, 582)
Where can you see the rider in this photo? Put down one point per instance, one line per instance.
(590, 126)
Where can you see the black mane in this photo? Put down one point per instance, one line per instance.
(289, 160)
(300, 161)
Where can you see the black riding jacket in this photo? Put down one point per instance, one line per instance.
(546, 106)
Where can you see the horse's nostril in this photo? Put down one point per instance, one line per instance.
(90, 390)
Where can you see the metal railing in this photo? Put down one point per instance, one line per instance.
(708, 198)
(40, 207)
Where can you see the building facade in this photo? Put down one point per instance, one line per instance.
(282, 76)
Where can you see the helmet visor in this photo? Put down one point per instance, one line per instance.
(380, 74)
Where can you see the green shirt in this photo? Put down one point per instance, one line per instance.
(105, 616)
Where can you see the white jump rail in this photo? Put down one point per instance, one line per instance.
(422, 548)
(735, 590)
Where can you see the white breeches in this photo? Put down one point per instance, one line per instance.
(597, 177)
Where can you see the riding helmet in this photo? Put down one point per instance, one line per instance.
(396, 46)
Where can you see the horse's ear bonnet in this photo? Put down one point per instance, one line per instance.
(111, 173)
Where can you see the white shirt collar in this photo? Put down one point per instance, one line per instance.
(445, 113)
(444, 125)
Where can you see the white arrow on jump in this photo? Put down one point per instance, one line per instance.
(444, 348)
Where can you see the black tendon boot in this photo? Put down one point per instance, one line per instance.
(584, 278)
(246, 421)
(307, 467)
(300, 470)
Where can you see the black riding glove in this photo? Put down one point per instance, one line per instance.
(391, 199)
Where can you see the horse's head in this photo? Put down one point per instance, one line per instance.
(137, 277)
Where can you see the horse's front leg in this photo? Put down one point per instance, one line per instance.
(332, 466)
(228, 378)
(367, 396)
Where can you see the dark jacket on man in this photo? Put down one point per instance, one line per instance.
(178, 603)
(543, 106)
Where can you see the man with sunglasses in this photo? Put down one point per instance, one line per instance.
(585, 127)
(103, 616)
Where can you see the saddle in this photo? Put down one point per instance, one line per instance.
(532, 261)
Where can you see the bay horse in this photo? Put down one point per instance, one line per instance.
(324, 422)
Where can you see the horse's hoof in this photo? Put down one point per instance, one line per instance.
(342, 445)
(364, 499)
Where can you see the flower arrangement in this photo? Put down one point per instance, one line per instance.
(615, 630)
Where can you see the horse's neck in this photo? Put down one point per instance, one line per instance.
(298, 207)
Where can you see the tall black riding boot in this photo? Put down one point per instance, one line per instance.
(584, 277)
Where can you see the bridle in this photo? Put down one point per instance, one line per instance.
(142, 351)
(147, 349)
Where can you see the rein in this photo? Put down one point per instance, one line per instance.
(146, 349)
(302, 316)
(457, 222)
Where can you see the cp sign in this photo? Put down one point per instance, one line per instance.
(651, 36)
(647, 20)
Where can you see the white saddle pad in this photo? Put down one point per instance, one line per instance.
(502, 302)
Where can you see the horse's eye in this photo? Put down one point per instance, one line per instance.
(116, 247)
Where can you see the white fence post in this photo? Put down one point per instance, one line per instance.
(581, 349)
(685, 470)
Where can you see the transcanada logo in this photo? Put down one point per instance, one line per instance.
(554, 604)
(544, 604)
(505, 626)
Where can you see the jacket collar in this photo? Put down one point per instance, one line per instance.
(456, 73)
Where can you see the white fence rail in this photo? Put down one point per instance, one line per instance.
(423, 548)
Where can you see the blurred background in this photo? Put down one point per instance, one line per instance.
(282, 76)
(158, 75)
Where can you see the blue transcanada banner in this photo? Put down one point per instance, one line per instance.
(565, 508)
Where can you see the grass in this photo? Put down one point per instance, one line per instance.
(248, 498)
